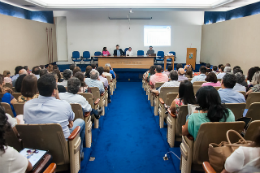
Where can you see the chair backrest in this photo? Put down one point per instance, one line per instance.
(165, 90)
(8, 85)
(252, 97)
(213, 133)
(7, 108)
(95, 91)
(45, 137)
(75, 54)
(12, 140)
(126, 49)
(254, 111)
(77, 109)
(89, 98)
(252, 130)
(217, 88)
(16, 95)
(237, 109)
(219, 80)
(170, 97)
(86, 54)
(97, 53)
(198, 82)
(140, 53)
(18, 107)
(172, 52)
(158, 84)
(161, 54)
(13, 89)
(181, 119)
(109, 79)
(189, 79)
(196, 88)
(243, 92)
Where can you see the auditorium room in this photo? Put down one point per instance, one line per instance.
(129, 86)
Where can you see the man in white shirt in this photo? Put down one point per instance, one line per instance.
(129, 52)
(221, 72)
(202, 75)
(105, 82)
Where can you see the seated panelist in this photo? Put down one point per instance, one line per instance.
(129, 52)
(105, 52)
(118, 52)
(150, 51)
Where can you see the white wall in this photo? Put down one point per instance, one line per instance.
(61, 37)
(92, 30)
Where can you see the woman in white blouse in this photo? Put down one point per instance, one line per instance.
(245, 159)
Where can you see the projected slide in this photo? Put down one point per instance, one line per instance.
(157, 35)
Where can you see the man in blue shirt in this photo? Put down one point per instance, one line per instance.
(14, 78)
(47, 108)
(227, 94)
(118, 52)
(94, 81)
(202, 75)
(111, 71)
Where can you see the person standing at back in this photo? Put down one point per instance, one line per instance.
(118, 52)
(150, 51)
(158, 76)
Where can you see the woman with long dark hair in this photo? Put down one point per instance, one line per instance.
(185, 96)
(210, 110)
(29, 89)
(150, 73)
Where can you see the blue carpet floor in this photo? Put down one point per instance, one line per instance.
(130, 139)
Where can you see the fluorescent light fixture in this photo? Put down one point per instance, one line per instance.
(134, 18)
(129, 4)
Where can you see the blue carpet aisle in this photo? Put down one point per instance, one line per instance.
(130, 139)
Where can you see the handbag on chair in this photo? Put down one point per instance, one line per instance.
(218, 153)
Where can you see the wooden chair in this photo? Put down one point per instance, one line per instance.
(13, 140)
(18, 107)
(237, 109)
(16, 95)
(252, 130)
(199, 82)
(65, 153)
(252, 97)
(244, 93)
(208, 168)
(111, 84)
(7, 108)
(217, 88)
(194, 153)
(254, 111)
(8, 85)
(189, 79)
(96, 94)
(13, 88)
(196, 88)
(150, 95)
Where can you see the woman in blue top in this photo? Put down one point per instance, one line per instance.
(7, 97)
(210, 110)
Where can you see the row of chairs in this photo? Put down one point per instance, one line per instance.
(50, 136)
(87, 58)
(193, 153)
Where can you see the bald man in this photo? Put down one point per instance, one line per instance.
(181, 75)
(23, 71)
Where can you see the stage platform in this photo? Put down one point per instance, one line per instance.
(125, 74)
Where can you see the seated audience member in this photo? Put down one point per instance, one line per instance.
(7, 75)
(255, 83)
(76, 69)
(220, 66)
(107, 72)
(172, 83)
(236, 69)
(88, 69)
(7, 96)
(181, 75)
(83, 86)
(178, 66)
(208, 67)
(168, 70)
(36, 71)
(94, 66)
(50, 68)
(66, 75)
(94, 82)
(105, 82)
(245, 158)
(71, 96)
(250, 74)
(27, 69)
(227, 69)
(48, 108)
(202, 75)
(129, 52)
(210, 110)
(158, 76)
(228, 65)
(11, 161)
(18, 83)
(211, 80)
(42, 67)
(151, 72)
(72, 66)
(118, 52)
(14, 78)
(43, 72)
(28, 89)
(60, 87)
(185, 96)
(214, 69)
(55, 67)
(57, 71)
(105, 52)
(226, 92)
(189, 73)
(150, 51)
(111, 71)
(221, 72)
(240, 78)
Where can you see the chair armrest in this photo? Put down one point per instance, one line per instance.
(74, 133)
(51, 168)
(87, 114)
(208, 168)
(161, 101)
(173, 115)
(96, 102)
